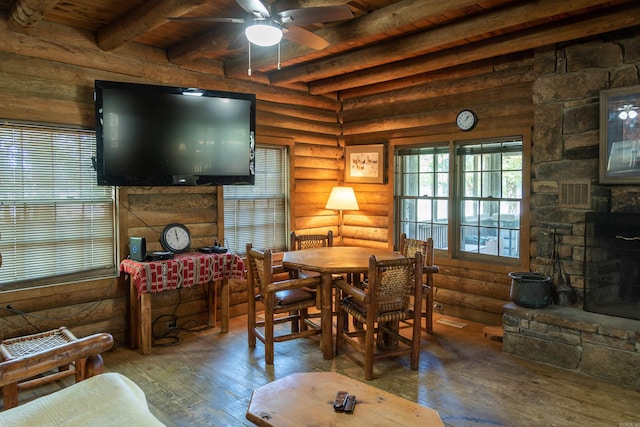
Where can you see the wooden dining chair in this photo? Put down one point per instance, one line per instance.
(307, 241)
(409, 247)
(284, 301)
(393, 294)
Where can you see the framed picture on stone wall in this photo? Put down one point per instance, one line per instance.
(620, 135)
(365, 163)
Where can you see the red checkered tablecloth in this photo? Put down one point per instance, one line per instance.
(183, 271)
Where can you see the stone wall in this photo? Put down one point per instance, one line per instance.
(594, 344)
(565, 145)
(565, 154)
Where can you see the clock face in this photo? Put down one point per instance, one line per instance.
(176, 238)
(466, 120)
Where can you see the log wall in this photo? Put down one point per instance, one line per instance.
(41, 81)
(52, 82)
(421, 109)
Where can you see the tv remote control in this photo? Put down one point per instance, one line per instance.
(338, 403)
(349, 404)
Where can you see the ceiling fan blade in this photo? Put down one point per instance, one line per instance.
(208, 19)
(312, 15)
(304, 37)
(254, 7)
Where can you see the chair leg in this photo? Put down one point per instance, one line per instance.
(80, 369)
(415, 342)
(340, 324)
(94, 365)
(269, 353)
(386, 340)
(428, 319)
(251, 320)
(295, 324)
(369, 343)
(10, 395)
(302, 315)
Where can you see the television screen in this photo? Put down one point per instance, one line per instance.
(150, 135)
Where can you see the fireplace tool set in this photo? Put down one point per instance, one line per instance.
(563, 293)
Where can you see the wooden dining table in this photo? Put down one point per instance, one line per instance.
(329, 261)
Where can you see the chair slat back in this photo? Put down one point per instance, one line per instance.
(307, 241)
(259, 273)
(392, 282)
(409, 247)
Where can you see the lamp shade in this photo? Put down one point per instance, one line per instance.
(342, 198)
(264, 33)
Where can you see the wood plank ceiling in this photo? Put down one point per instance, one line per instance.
(384, 41)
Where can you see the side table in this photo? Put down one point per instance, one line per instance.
(183, 271)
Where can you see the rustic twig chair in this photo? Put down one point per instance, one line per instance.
(287, 297)
(393, 294)
(28, 361)
(409, 247)
(308, 241)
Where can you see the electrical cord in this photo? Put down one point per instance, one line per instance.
(170, 336)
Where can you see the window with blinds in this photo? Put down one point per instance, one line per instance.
(56, 224)
(258, 214)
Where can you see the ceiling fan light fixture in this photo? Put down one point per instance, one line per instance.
(264, 33)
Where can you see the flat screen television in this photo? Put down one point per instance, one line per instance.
(149, 135)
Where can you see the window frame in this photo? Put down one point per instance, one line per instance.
(460, 196)
(450, 256)
(401, 226)
(288, 144)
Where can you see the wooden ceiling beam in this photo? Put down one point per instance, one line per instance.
(621, 18)
(214, 40)
(280, 5)
(145, 18)
(387, 19)
(26, 13)
(459, 33)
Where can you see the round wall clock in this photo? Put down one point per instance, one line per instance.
(466, 120)
(176, 238)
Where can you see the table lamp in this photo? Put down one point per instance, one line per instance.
(342, 198)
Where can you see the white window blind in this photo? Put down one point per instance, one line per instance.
(257, 213)
(56, 224)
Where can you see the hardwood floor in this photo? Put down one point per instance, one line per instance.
(207, 380)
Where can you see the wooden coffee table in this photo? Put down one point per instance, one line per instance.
(306, 399)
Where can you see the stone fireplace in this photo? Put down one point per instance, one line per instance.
(612, 264)
(595, 344)
(601, 338)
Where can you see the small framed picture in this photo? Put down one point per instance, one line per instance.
(365, 163)
(620, 135)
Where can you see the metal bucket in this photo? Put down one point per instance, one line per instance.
(530, 290)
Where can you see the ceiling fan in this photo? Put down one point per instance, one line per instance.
(266, 29)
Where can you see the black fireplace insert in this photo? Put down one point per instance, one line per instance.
(612, 264)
